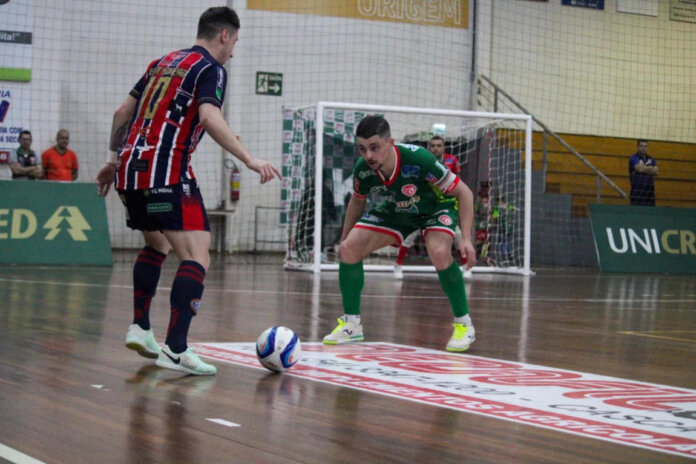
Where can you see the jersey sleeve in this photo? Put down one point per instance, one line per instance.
(438, 174)
(211, 86)
(139, 86)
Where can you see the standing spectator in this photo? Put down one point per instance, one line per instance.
(642, 168)
(23, 162)
(59, 162)
(154, 133)
(436, 146)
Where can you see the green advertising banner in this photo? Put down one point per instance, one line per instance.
(52, 223)
(645, 239)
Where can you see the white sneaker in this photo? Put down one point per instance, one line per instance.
(345, 332)
(188, 362)
(398, 272)
(142, 341)
(462, 338)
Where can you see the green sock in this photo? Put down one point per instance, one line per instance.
(452, 282)
(351, 279)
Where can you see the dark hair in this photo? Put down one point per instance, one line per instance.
(25, 131)
(214, 20)
(641, 140)
(437, 137)
(373, 125)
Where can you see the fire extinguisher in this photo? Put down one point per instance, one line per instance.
(235, 179)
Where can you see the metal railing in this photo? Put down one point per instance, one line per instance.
(497, 92)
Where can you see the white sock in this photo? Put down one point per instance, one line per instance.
(353, 318)
(465, 319)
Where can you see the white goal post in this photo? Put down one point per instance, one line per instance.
(503, 165)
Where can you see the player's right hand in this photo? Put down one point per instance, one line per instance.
(105, 177)
(265, 169)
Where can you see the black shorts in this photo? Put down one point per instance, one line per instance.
(174, 207)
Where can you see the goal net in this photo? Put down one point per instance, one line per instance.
(319, 154)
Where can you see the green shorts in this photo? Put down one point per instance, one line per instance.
(400, 225)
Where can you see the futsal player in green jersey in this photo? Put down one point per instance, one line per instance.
(419, 193)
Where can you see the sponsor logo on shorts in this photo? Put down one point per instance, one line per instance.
(410, 171)
(446, 220)
(195, 303)
(409, 190)
(159, 208)
(632, 413)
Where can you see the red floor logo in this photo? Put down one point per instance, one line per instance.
(651, 416)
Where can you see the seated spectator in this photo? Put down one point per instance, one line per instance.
(60, 163)
(23, 162)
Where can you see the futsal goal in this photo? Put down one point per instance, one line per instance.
(319, 153)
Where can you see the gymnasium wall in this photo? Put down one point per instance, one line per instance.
(579, 70)
(595, 72)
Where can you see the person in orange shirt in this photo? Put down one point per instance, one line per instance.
(60, 163)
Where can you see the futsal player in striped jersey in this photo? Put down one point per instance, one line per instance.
(154, 134)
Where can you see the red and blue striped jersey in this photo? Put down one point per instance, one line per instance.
(165, 128)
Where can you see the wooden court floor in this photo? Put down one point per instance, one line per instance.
(70, 392)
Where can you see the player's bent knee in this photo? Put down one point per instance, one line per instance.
(440, 259)
(348, 254)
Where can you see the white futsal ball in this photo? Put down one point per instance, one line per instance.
(278, 348)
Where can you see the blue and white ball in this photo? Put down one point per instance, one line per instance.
(278, 348)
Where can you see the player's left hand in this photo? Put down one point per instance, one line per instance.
(265, 169)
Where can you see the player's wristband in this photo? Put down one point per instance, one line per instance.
(113, 160)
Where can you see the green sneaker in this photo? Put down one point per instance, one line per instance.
(345, 332)
(462, 338)
(142, 341)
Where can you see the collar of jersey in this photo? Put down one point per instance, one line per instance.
(397, 168)
(203, 51)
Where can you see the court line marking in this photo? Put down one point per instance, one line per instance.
(222, 422)
(651, 335)
(17, 457)
(638, 299)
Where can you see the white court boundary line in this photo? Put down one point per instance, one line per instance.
(17, 457)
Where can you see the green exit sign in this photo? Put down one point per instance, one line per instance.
(269, 83)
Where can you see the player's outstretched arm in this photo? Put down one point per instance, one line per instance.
(466, 220)
(213, 122)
